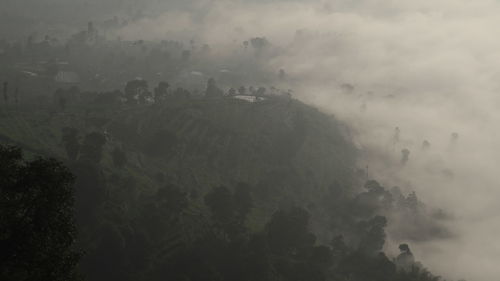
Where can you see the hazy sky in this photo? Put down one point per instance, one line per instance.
(429, 67)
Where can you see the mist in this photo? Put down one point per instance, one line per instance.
(429, 68)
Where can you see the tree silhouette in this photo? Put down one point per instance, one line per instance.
(288, 232)
(119, 157)
(230, 209)
(212, 90)
(405, 260)
(36, 219)
(243, 202)
(161, 92)
(405, 156)
(5, 92)
(242, 90)
(221, 204)
(71, 142)
(373, 238)
(92, 147)
(136, 91)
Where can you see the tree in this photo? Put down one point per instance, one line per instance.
(259, 44)
(221, 204)
(16, 96)
(119, 157)
(231, 92)
(252, 90)
(136, 91)
(282, 74)
(339, 248)
(230, 209)
(405, 156)
(396, 136)
(37, 228)
(60, 98)
(90, 187)
(161, 92)
(243, 202)
(261, 92)
(172, 200)
(71, 142)
(162, 211)
(288, 232)
(161, 144)
(212, 90)
(405, 260)
(373, 239)
(411, 202)
(92, 147)
(181, 94)
(376, 198)
(5, 92)
(426, 145)
(106, 261)
(242, 90)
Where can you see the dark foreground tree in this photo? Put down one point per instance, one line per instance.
(37, 230)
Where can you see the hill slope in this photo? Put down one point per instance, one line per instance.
(284, 149)
(163, 186)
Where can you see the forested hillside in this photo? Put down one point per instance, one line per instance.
(214, 188)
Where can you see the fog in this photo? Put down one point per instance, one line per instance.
(428, 67)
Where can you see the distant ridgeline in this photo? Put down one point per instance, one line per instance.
(218, 188)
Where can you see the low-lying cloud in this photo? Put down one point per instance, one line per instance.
(430, 68)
